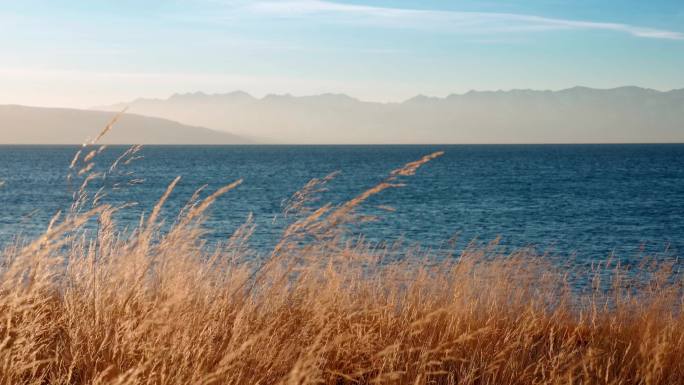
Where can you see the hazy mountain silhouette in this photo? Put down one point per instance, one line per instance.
(35, 125)
(575, 115)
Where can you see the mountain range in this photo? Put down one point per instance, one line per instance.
(574, 115)
(35, 125)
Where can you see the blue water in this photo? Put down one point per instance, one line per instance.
(585, 200)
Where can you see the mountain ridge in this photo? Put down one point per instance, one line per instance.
(574, 115)
(248, 96)
(42, 125)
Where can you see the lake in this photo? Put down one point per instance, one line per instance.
(583, 200)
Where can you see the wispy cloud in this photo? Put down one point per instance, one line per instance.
(452, 21)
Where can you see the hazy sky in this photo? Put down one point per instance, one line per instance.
(89, 52)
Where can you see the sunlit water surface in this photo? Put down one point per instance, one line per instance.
(586, 201)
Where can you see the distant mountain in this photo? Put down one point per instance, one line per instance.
(575, 115)
(35, 125)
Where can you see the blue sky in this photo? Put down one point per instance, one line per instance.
(89, 52)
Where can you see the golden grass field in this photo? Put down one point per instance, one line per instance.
(153, 306)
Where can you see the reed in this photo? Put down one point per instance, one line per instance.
(156, 305)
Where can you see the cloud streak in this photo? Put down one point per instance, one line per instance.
(446, 21)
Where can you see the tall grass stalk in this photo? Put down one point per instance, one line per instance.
(157, 306)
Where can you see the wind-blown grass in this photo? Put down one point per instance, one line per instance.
(157, 306)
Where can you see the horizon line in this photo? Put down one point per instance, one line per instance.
(344, 144)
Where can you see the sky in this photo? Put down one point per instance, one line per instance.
(82, 53)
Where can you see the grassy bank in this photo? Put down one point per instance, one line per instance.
(89, 303)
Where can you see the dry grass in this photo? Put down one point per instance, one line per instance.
(159, 307)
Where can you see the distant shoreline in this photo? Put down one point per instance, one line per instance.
(349, 145)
